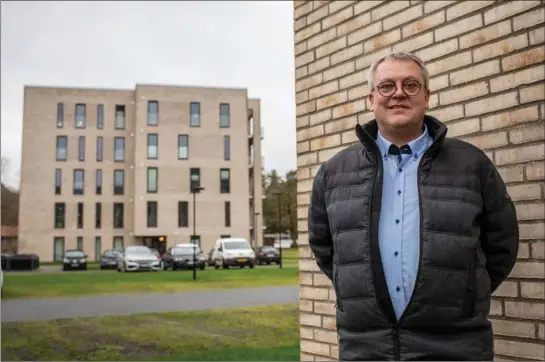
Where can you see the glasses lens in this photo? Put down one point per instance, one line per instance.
(411, 87)
(387, 88)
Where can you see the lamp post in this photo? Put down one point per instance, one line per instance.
(195, 190)
(277, 193)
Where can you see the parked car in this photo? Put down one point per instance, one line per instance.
(20, 261)
(108, 260)
(181, 257)
(233, 252)
(138, 258)
(74, 259)
(158, 254)
(267, 254)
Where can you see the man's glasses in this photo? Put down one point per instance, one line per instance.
(410, 88)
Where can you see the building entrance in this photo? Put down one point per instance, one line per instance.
(158, 243)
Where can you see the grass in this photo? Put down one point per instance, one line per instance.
(74, 284)
(251, 334)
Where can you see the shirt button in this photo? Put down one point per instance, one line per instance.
(400, 170)
(397, 221)
(396, 253)
(398, 289)
(399, 192)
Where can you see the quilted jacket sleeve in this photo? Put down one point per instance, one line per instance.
(500, 233)
(319, 234)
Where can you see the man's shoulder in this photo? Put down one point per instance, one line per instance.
(460, 149)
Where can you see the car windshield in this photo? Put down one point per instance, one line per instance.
(138, 251)
(111, 253)
(236, 245)
(75, 253)
(185, 250)
(268, 248)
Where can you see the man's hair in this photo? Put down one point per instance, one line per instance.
(398, 56)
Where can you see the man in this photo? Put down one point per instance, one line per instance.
(415, 230)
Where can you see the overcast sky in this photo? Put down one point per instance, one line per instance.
(117, 44)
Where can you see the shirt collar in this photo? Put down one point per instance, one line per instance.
(418, 146)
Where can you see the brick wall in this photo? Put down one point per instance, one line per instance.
(486, 63)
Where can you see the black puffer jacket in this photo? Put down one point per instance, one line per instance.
(469, 244)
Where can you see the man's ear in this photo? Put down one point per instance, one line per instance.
(427, 98)
(371, 98)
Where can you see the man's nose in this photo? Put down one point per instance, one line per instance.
(399, 93)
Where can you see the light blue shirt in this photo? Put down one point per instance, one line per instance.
(399, 224)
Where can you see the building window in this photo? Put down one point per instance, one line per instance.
(58, 181)
(79, 242)
(225, 181)
(80, 215)
(62, 146)
(119, 182)
(153, 113)
(196, 239)
(227, 213)
(119, 116)
(152, 179)
(118, 215)
(224, 115)
(194, 178)
(152, 214)
(60, 212)
(226, 148)
(225, 236)
(81, 148)
(100, 116)
(98, 215)
(119, 148)
(100, 148)
(118, 242)
(98, 177)
(153, 146)
(183, 147)
(80, 115)
(195, 114)
(183, 214)
(98, 247)
(79, 178)
(58, 249)
(60, 115)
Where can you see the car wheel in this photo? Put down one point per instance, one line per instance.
(252, 266)
(202, 267)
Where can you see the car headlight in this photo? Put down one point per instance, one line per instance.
(228, 255)
(202, 257)
(66, 260)
(82, 260)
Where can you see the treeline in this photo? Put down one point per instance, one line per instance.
(287, 186)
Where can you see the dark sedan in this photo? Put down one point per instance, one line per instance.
(181, 257)
(74, 259)
(267, 255)
(108, 260)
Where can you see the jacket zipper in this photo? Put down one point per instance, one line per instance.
(338, 304)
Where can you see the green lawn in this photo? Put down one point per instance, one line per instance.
(80, 283)
(260, 333)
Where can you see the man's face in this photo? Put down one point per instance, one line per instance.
(394, 109)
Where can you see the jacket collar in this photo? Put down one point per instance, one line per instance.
(368, 133)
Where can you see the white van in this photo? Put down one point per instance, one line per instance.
(233, 252)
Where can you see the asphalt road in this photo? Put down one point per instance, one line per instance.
(127, 304)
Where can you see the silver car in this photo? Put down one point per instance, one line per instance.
(137, 258)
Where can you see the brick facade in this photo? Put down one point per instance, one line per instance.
(486, 62)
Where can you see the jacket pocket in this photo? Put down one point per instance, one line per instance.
(470, 295)
(338, 303)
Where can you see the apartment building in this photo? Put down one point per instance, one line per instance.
(108, 168)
